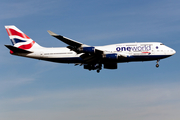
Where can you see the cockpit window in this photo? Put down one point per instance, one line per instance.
(161, 44)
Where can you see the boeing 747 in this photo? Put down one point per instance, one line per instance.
(91, 57)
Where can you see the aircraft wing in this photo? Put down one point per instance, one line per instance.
(76, 46)
(91, 54)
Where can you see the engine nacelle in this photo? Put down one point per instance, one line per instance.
(86, 66)
(87, 49)
(110, 56)
(110, 66)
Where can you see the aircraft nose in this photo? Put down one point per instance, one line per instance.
(173, 52)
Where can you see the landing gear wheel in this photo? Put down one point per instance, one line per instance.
(157, 65)
(98, 71)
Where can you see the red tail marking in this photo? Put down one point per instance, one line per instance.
(14, 32)
(28, 46)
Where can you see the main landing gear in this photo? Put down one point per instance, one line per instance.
(98, 70)
(90, 67)
(157, 65)
(99, 67)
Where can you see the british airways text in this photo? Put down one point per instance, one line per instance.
(136, 48)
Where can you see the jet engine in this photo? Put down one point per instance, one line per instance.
(87, 49)
(110, 66)
(110, 56)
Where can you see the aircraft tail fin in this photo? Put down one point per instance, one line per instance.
(19, 39)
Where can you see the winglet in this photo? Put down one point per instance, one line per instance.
(52, 33)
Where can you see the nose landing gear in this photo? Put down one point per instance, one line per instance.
(157, 65)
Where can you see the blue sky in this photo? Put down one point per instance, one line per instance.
(34, 89)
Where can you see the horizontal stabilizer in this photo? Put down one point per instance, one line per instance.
(17, 50)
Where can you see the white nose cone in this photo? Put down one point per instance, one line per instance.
(173, 52)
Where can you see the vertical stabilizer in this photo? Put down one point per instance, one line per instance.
(19, 39)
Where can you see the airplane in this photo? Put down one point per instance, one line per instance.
(91, 57)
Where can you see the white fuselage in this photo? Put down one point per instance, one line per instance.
(127, 52)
